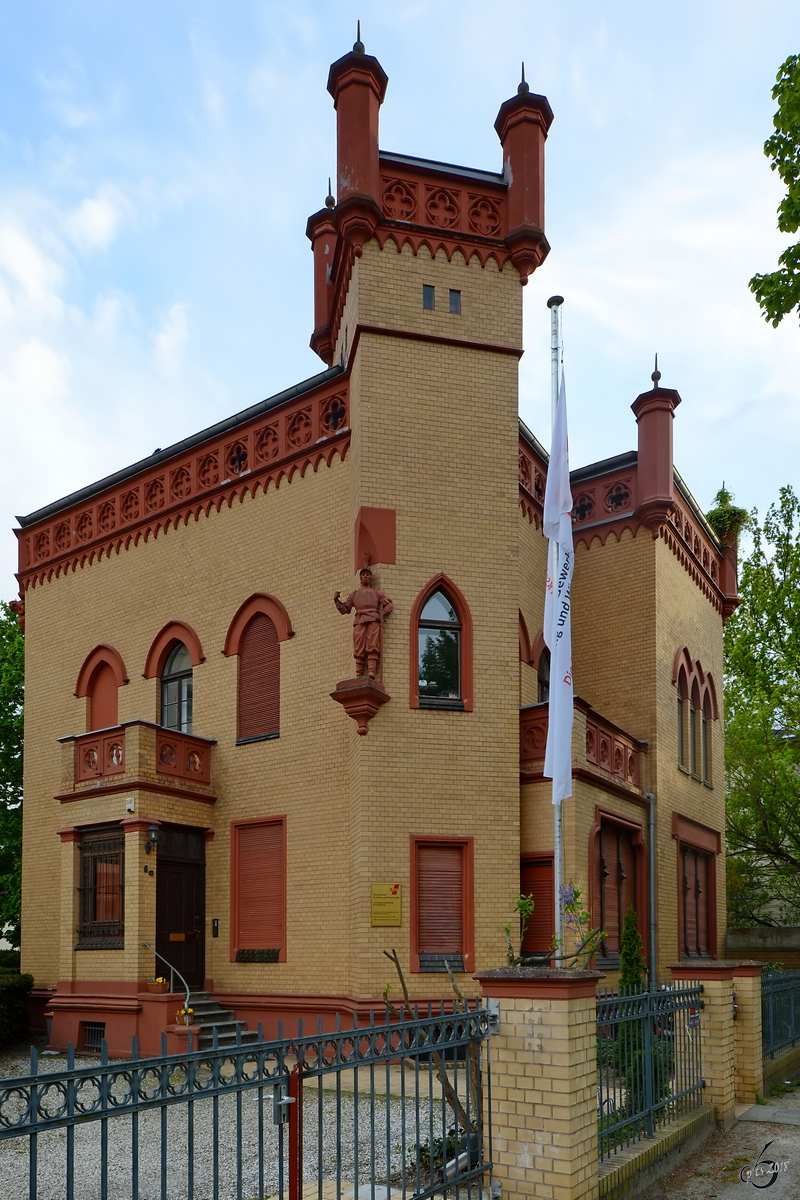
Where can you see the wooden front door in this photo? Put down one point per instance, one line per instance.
(180, 904)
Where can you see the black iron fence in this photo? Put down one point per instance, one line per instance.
(371, 1110)
(780, 1010)
(648, 1061)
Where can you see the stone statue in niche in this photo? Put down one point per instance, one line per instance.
(371, 607)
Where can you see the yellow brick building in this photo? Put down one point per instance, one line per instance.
(203, 771)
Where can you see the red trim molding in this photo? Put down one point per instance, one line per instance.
(460, 602)
(173, 632)
(467, 900)
(259, 602)
(414, 335)
(101, 654)
(134, 785)
(692, 833)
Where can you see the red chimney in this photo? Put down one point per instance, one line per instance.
(655, 411)
(357, 83)
(522, 124)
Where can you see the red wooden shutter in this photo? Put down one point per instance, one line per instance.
(259, 678)
(627, 864)
(440, 899)
(536, 879)
(260, 919)
(701, 869)
(689, 884)
(103, 698)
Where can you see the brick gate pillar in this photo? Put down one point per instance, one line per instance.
(748, 1045)
(544, 1082)
(731, 1048)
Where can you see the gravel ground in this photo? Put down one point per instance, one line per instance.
(714, 1171)
(385, 1119)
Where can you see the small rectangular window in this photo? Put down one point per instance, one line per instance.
(428, 297)
(455, 302)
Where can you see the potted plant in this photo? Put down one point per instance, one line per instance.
(184, 1016)
(158, 985)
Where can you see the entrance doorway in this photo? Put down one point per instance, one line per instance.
(181, 901)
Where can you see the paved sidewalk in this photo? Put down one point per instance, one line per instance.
(714, 1171)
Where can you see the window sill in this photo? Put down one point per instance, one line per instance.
(259, 737)
(707, 783)
(445, 705)
(684, 769)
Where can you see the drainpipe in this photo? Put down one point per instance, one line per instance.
(652, 873)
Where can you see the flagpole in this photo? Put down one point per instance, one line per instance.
(554, 304)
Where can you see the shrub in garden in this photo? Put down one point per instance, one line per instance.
(14, 991)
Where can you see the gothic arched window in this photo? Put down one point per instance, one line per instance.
(439, 651)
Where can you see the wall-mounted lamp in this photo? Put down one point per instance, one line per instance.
(152, 836)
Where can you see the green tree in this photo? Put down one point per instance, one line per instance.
(778, 292)
(12, 686)
(631, 958)
(762, 726)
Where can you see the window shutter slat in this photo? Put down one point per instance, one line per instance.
(536, 879)
(103, 698)
(440, 898)
(259, 678)
(260, 920)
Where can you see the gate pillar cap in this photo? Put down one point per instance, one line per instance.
(539, 983)
(715, 968)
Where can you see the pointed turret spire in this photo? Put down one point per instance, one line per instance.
(358, 46)
(523, 88)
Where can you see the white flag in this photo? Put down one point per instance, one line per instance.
(557, 626)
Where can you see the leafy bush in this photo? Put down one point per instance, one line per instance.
(14, 1007)
(10, 960)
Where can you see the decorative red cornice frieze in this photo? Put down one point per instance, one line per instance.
(532, 470)
(274, 446)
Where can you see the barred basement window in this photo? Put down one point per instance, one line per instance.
(93, 1034)
(102, 872)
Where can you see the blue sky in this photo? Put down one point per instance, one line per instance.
(158, 162)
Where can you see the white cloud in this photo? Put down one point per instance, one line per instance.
(93, 225)
(171, 341)
(38, 275)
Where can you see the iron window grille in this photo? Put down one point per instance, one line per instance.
(102, 891)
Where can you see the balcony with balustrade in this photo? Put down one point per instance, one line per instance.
(603, 754)
(136, 756)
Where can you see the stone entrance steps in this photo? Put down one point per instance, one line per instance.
(210, 1015)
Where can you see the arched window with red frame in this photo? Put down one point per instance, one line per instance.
(696, 709)
(441, 648)
(255, 634)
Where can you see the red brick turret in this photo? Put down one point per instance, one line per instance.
(522, 124)
(357, 83)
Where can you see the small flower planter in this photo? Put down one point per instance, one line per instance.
(182, 1018)
(158, 989)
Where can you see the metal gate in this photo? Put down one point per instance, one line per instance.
(375, 1111)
